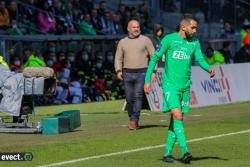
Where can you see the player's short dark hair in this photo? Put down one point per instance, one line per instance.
(188, 17)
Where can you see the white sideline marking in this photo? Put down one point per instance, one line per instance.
(145, 114)
(195, 115)
(141, 149)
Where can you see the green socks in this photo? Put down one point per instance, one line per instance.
(170, 139)
(170, 142)
(179, 132)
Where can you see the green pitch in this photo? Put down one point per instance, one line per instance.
(104, 130)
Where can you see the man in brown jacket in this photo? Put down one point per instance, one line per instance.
(131, 61)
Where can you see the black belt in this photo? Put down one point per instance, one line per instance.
(137, 70)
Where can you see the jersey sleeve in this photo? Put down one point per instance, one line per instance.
(199, 57)
(154, 59)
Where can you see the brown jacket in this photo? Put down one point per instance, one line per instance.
(4, 18)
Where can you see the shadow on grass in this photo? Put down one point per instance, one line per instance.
(208, 157)
(179, 160)
(152, 126)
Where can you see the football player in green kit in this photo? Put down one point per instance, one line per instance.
(179, 48)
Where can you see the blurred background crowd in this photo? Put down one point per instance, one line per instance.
(84, 68)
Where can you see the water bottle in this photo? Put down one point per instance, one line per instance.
(38, 126)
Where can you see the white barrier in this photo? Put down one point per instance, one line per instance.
(230, 84)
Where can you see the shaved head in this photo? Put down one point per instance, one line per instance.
(133, 28)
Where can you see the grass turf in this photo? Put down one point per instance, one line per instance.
(104, 130)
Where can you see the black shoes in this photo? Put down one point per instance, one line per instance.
(169, 159)
(187, 157)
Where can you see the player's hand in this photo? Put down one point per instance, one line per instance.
(211, 72)
(146, 88)
(119, 75)
(153, 77)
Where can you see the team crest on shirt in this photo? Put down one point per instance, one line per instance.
(158, 47)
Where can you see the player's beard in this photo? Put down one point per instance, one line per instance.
(188, 35)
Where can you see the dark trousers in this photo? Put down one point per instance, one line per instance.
(134, 82)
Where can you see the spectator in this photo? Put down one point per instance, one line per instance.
(28, 12)
(51, 59)
(225, 51)
(95, 20)
(102, 8)
(158, 35)
(108, 63)
(134, 12)
(243, 55)
(144, 15)
(86, 27)
(116, 26)
(84, 64)
(52, 47)
(213, 57)
(15, 64)
(75, 91)
(100, 89)
(170, 5)
(86, 6)
(57, 65)
(243, 30)
(13, 10)
(31, 60)
(59, 9)
(246, 40)
(89, 48)
(4, 16)
(71, 56)
(121, 11)
(104, 22)
(126, 18)
(70, 19)
(227, 31)
(68, 91)
(63, 77)
(14, 29)
(3, 63)
(46, 20)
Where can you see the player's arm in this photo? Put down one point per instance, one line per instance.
(119, 61)
(201, 61)
(153, 61)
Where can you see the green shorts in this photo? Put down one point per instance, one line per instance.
(173, 98)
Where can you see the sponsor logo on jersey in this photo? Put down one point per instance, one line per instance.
(180, 55)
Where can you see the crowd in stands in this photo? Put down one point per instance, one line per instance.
(224, 54)
(68, 17)
(87, 75)
(82, 76)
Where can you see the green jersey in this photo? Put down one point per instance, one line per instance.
(178, 58)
